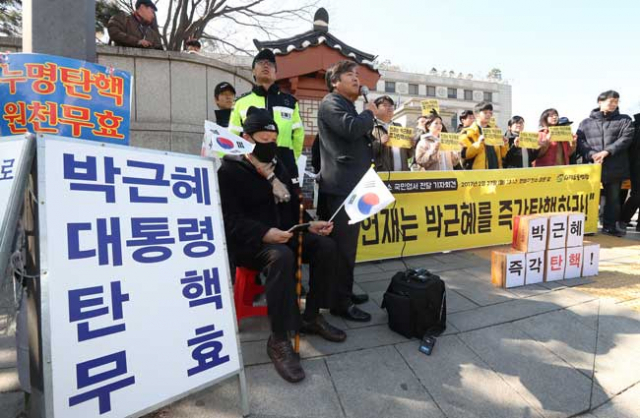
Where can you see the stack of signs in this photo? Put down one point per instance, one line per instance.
(545, 248)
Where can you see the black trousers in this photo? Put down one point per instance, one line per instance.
(633, 201)
(278, 262)
(611, 209)
(346, 238)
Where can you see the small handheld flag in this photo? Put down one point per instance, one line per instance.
(368, 198)
(220, 140)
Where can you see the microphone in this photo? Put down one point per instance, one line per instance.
(364, 90)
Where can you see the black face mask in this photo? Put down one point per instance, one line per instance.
(265, 152)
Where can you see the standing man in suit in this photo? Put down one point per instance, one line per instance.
(346, 154)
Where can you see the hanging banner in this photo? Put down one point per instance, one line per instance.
(453, 210)
(61, 96)
(136, 307)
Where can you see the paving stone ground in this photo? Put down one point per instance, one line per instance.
(564, 349)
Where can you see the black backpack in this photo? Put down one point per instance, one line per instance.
(416, 302)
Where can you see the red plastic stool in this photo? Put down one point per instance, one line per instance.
(245, 290)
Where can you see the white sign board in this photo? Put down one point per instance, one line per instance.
(557, 231)
(591, 257)
(535, 267)
(556, 260)
(515, 270)
(573, 268)
(136, 306)
(11, 155)
(16, 153)
(575, 230)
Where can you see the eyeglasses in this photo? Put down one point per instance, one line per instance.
(266, 63)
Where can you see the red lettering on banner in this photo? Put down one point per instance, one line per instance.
(78, 117)
(46, 114)
(74, 78)
(45, 76)
(16, 114)
(109, 124)
(109, 86)
(11, 77)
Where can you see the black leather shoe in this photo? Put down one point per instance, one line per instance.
(352, 313)
(613, 232)
(359, 299)
(285, 360)
(321, 327)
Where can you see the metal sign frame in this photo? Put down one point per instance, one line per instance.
(44, 280)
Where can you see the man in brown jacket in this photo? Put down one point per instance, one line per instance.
(387, 157)
(138, 30)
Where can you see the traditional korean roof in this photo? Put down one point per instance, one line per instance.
(319, 35)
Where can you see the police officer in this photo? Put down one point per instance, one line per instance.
(283, 107)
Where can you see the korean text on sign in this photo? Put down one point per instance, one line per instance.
(400, 137)
(139, 262)
(61, 96)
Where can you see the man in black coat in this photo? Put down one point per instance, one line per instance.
(259, 205)
(346, 154)
(604, 138)
(633, 202)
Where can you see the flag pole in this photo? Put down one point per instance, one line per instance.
(296, 345)
(338, 210)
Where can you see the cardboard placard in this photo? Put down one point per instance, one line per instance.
(493, 136)
(535, 267)
(555, 264)
(530, 233)
(429, 105)
(591, 259)
(400, 137)
(557, 237)
(573, 268)
(561, 133)
(529, 140)
(508, 268)
(449, 142)
(575, 229)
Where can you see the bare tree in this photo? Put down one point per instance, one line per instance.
(180, 20)
(10, 17)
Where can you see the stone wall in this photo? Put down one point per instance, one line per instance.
(172, 93)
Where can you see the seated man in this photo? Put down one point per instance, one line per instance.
(258, 208)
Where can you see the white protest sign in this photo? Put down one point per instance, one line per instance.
(573, 269)
(535, 267)
(15, 157)
(557, 237)
(137, 308)
(575, 230)
(556, 260)
(591, 259)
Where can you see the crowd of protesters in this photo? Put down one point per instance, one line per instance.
(606, 137)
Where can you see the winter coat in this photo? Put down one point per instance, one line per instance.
(126, 30)
(613, 133)
(548, 156)
(473, 150)
(345, 144)
(428, 158)
(383, 154)
(513, 158)
(250, 211)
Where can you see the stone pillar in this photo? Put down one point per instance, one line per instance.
(60, 27)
